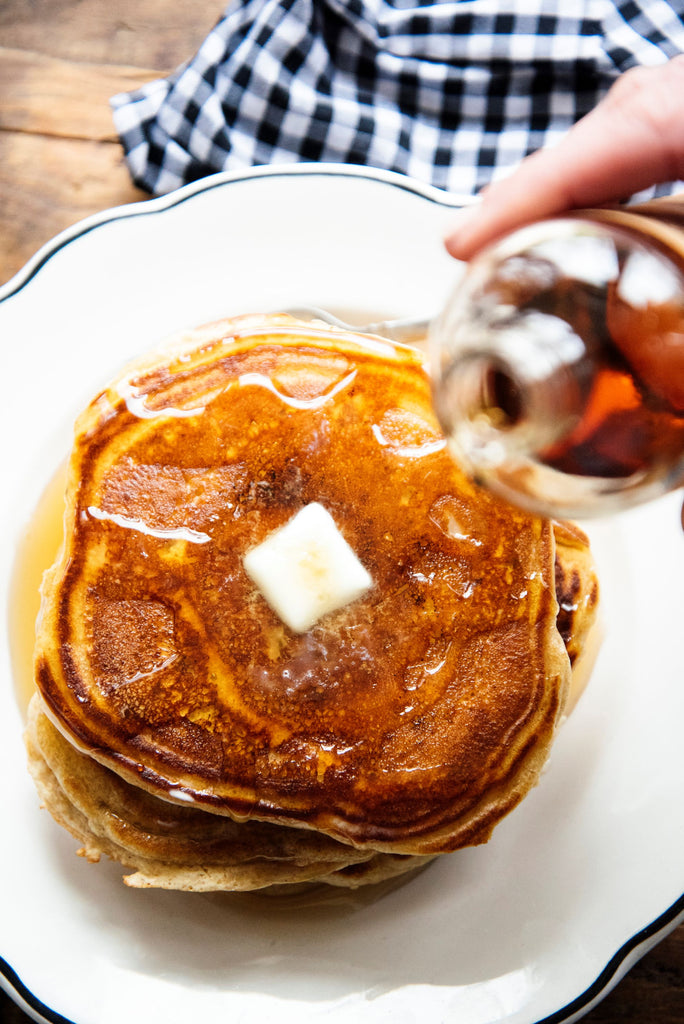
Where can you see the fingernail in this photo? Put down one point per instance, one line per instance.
(463, 223)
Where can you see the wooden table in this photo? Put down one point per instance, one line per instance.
(60, 61)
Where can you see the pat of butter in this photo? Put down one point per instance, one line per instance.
(306, 569)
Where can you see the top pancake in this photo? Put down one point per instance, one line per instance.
(410, 720)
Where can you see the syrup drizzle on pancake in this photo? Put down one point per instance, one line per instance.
(386, 723)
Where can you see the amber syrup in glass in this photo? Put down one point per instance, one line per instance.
(559, 367)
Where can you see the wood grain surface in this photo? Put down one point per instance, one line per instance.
(60, 61)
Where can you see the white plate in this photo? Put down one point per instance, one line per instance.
(585, 876)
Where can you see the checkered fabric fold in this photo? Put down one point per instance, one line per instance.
(451, 93)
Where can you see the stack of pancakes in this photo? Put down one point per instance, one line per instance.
(183, 729)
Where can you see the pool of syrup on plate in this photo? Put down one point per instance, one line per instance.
(36, 552)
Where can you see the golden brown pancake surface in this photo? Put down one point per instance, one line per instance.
(410, 720)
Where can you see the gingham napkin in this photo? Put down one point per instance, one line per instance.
(450, 93)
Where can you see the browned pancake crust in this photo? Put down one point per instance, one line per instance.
(410, 721)
(577, 588)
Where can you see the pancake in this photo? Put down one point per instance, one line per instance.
(404, 724)
(173, 846)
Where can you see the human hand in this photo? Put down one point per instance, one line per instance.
(633, 139)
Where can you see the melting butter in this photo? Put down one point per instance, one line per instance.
(306, 569)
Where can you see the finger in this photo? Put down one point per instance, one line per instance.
(634, 138)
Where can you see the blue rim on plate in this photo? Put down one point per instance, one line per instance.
(609, 976)
(634, 947)
(25, 999)
(156, 205)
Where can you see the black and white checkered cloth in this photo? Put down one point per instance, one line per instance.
(451, 93)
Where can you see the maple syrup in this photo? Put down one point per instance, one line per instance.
(559, 363)
(36, 552)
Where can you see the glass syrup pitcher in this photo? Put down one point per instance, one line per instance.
(558, 363)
